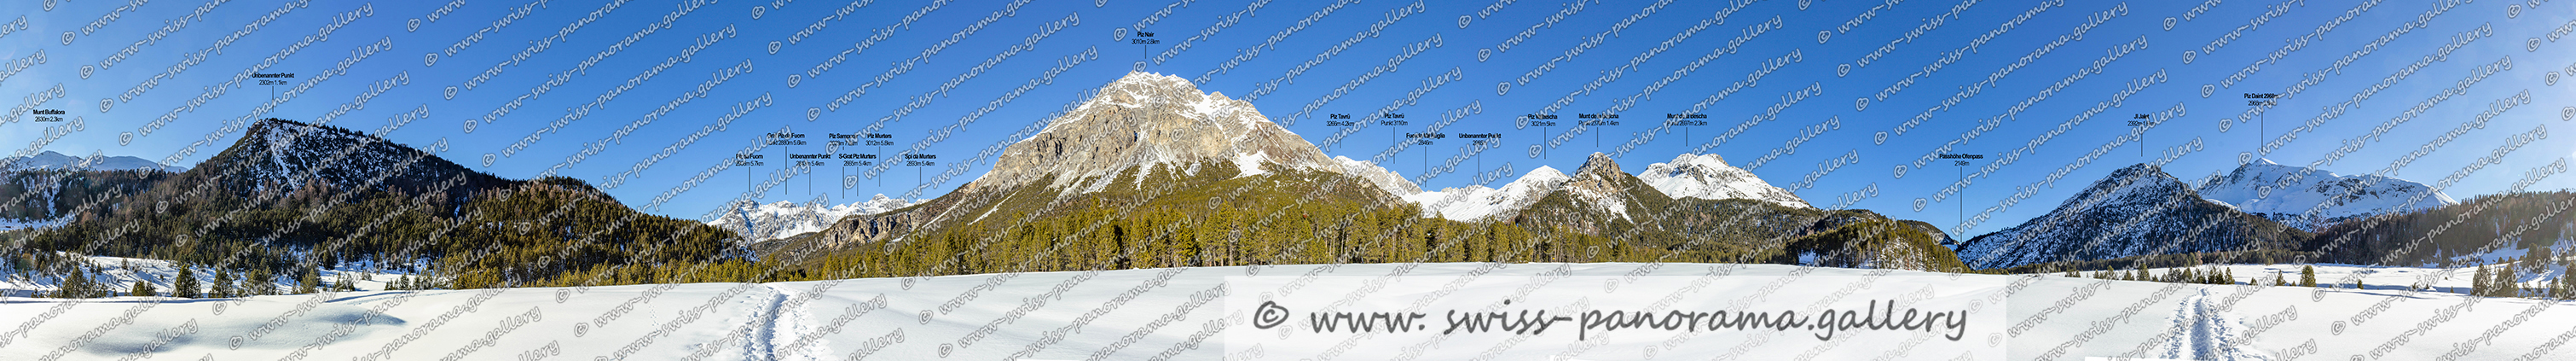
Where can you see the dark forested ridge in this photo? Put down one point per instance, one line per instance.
(291, 196)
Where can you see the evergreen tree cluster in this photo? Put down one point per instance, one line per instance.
(2207, 275)
(2530, 221)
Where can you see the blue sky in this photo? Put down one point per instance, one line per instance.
(1823, 35)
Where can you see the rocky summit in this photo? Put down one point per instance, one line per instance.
(1147, 119)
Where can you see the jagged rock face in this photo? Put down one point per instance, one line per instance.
(2135, 211)
(2310, 198)
(1706, 176)
(1149, 119)
(1600, 198)
(1601, 184)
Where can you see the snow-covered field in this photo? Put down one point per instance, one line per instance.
(2453, 280)
(119, 273)
(1191, 313)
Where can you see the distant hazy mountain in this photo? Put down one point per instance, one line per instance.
(2311, 198)
(51, 160)
(2135, 211)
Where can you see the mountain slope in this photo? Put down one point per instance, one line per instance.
(2138, 210)
(291, 195)
(1706, 176)
(1384, 179)
(1601, 201)
(2311, 198)
(282, 155)
(1597, 194)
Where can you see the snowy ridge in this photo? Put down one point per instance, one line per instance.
(51, 160)
(2288, 194)
(786, 219)
(1706, 176)
(1378, 176)
(1472, 203)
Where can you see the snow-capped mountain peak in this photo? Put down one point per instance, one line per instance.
(2134, 211)
(1707, 176)
(1478, 202)
(2310, 198)
(1147, 119)
(786, 219)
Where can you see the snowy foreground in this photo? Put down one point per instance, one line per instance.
(1269, 313)
(119, 273)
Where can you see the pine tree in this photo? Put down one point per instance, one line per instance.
(2308, 276)
(74, 285)
(2505, 285)
(223, 285)
(142, 289)
(261, 282)
(2482, 284)
(308, 282)
(186, 285)
(2563, 288)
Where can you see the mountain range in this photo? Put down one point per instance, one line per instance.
(2135, 211)
(2260, 212)
(762, 222)
(52, 160)
(1183, 177)
(1151, 172)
